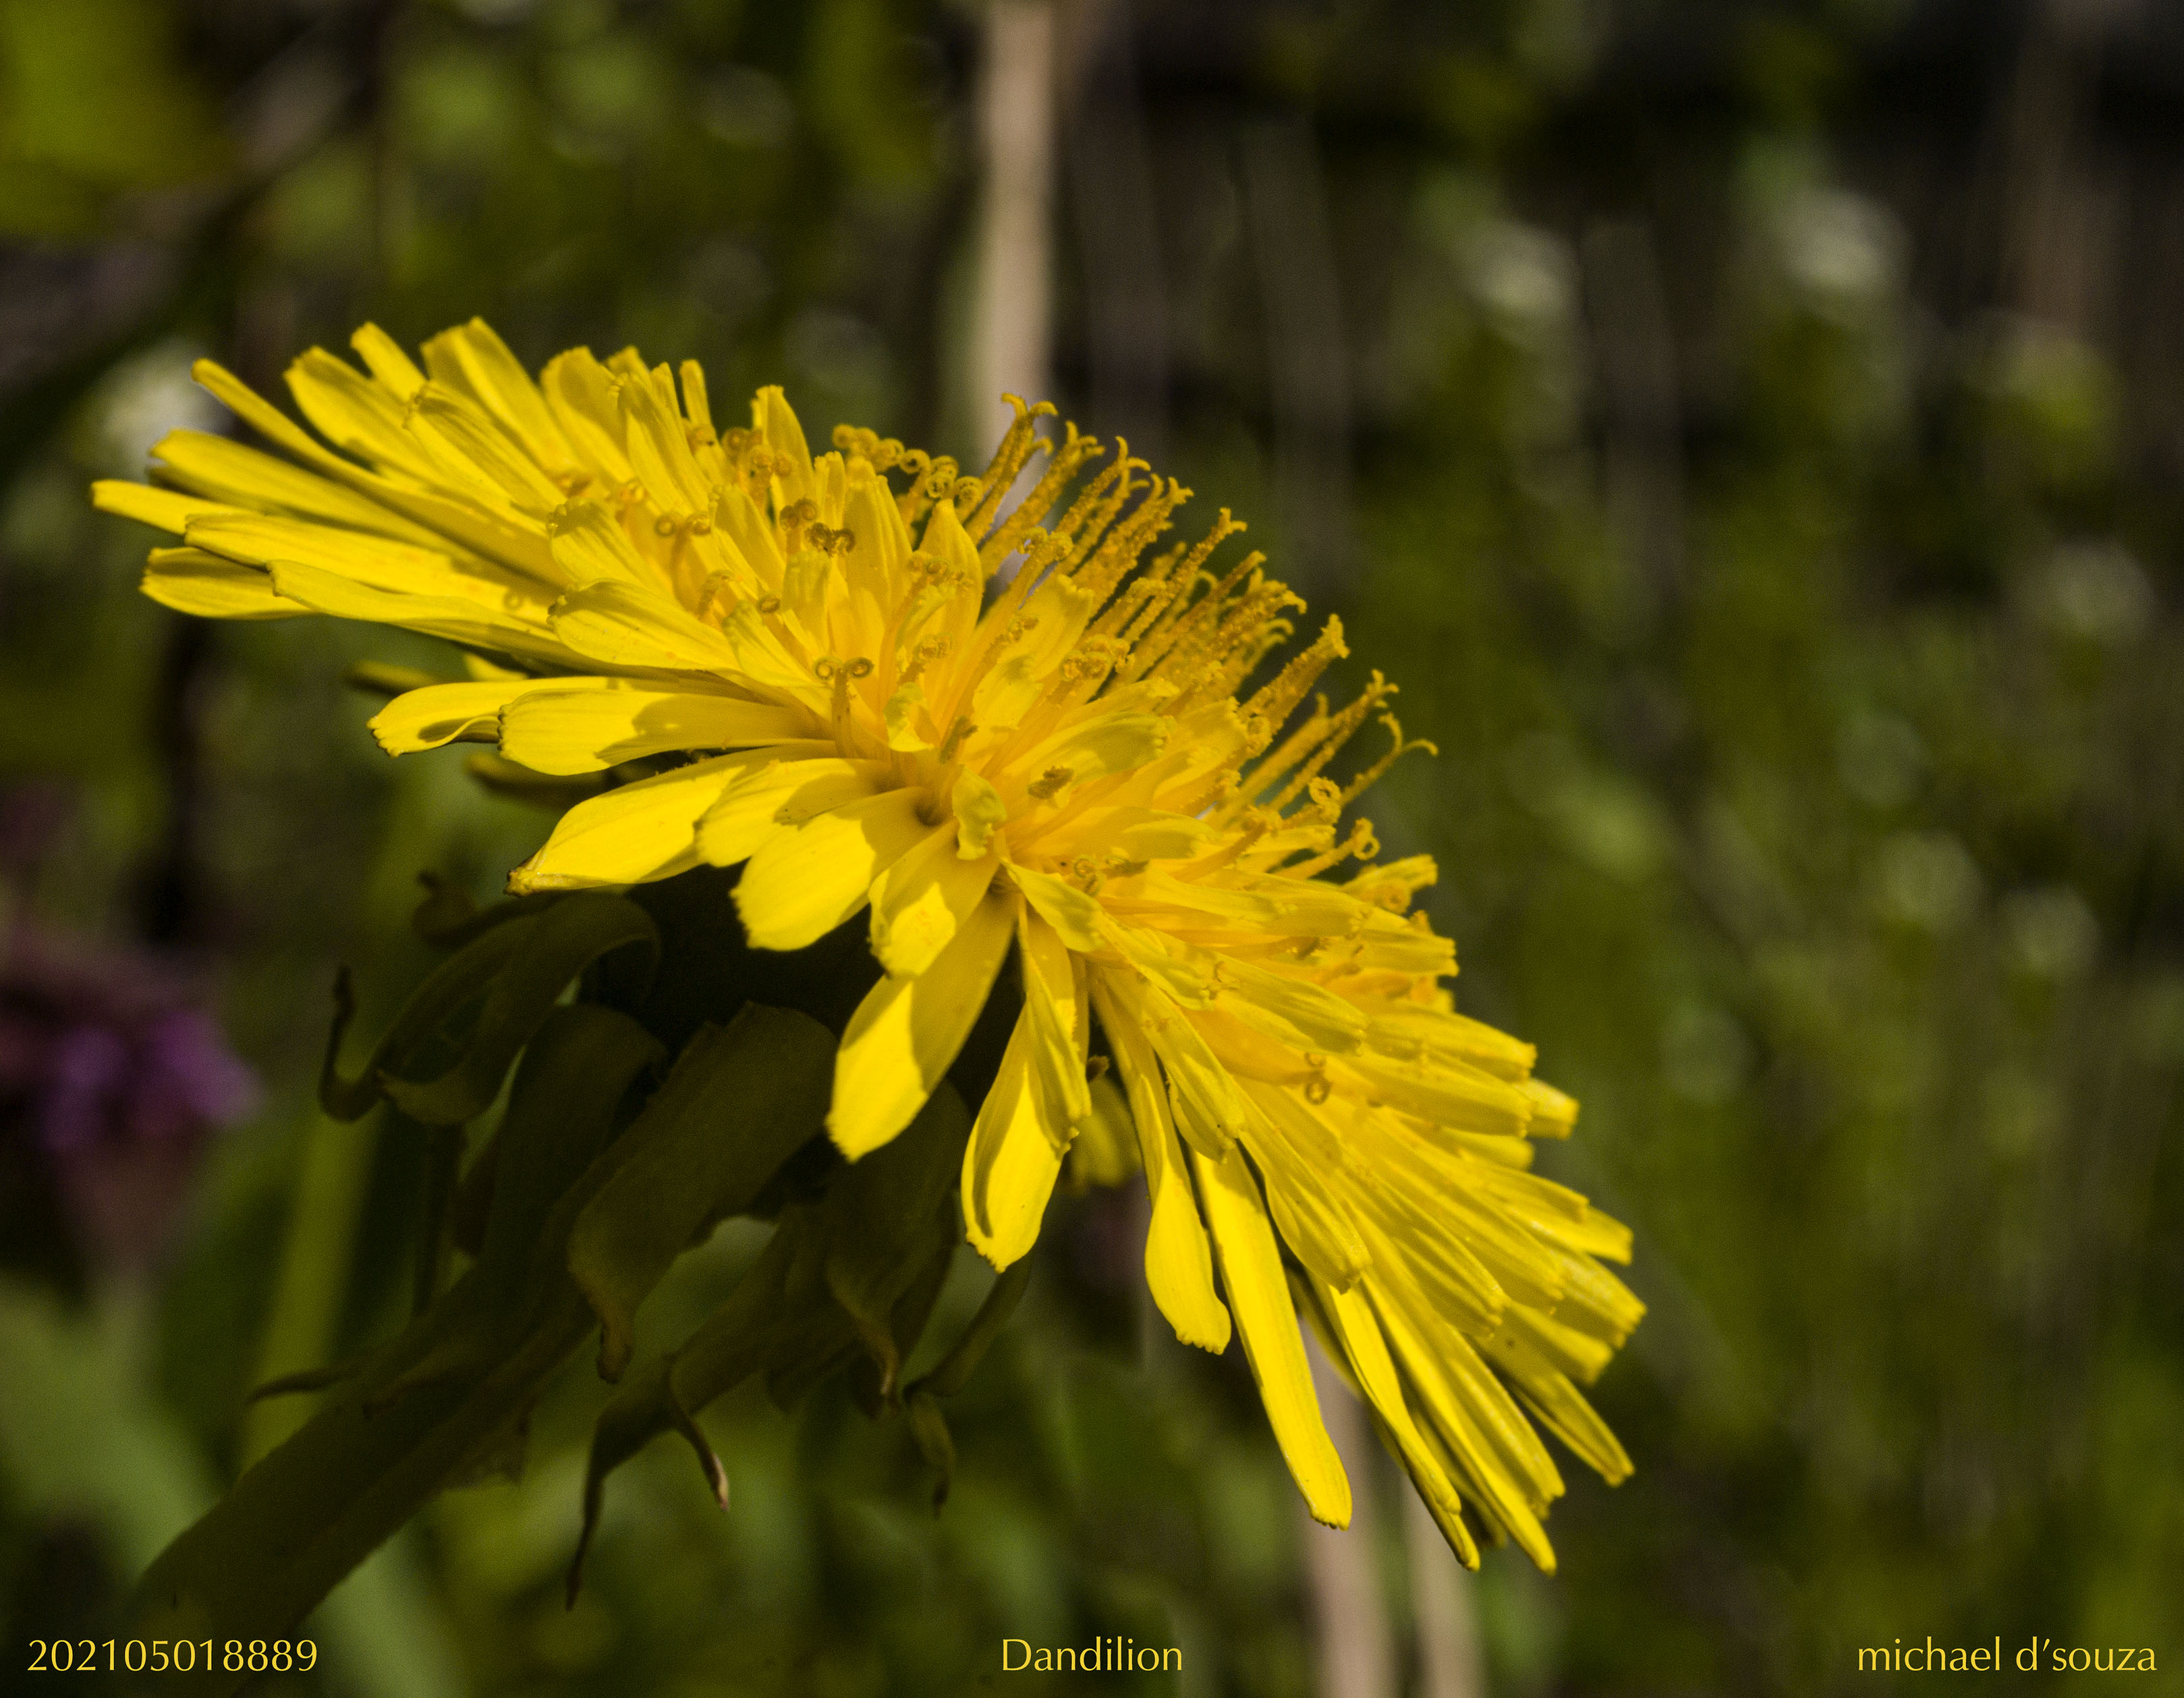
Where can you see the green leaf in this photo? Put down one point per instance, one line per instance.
(740, 1101)
(443, 1400)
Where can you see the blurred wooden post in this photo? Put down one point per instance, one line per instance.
(1012, 330)
(1450, 1663)
(1349, 1617)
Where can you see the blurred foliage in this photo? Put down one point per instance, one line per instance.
(1795, 618)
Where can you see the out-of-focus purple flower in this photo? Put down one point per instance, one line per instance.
(111, 1077)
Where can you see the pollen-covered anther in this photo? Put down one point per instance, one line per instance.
(1045, 786)
(770, 603)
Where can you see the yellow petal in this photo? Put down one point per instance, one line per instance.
(426, 516)
(1365, 1352)
(909, 727)
(1209, 1112)
(494, 469)
(621, 625)
(170, 510)
(1457, 1095)
(1178, 1259)
(919, 902)
(190, 581)
(1076, 915)
(800, 781)
(773, 418)
(641, 831)
(358, 415)
(659, 447)
(585, 726)
(906, 1032)
(391, 368)
(590, 546)
(580, 393)
(1050, 627)
(1310, 1215)
(232, 473)
(467, 622)
(1011, 1164)
(1317, 1016)
(379, 562)
(1142, 834)
(441, 714)
(1259, 1295)
(1427, 1348)
(803, 883)
(881, 558)
(1054, 1008)
(472, 359)
(1099, 745)
(1558, 1405)
(753, 535)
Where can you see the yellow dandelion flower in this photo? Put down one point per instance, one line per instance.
(867, 709)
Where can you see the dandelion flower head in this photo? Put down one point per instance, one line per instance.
(874, 684)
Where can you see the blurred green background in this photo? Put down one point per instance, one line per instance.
(1752, 433)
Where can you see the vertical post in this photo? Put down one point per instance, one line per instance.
(1449, 1662)
(1012, 331)
(1349, 1617)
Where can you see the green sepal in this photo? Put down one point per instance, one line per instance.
(930, 1430)
(731, 1344)
(740, 1101)
(447, 919)
(954, 1370)
(502, 776)
(456, 983)
(920, 1398)
(555, 1141)
(882, 1212)
(555, 948)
